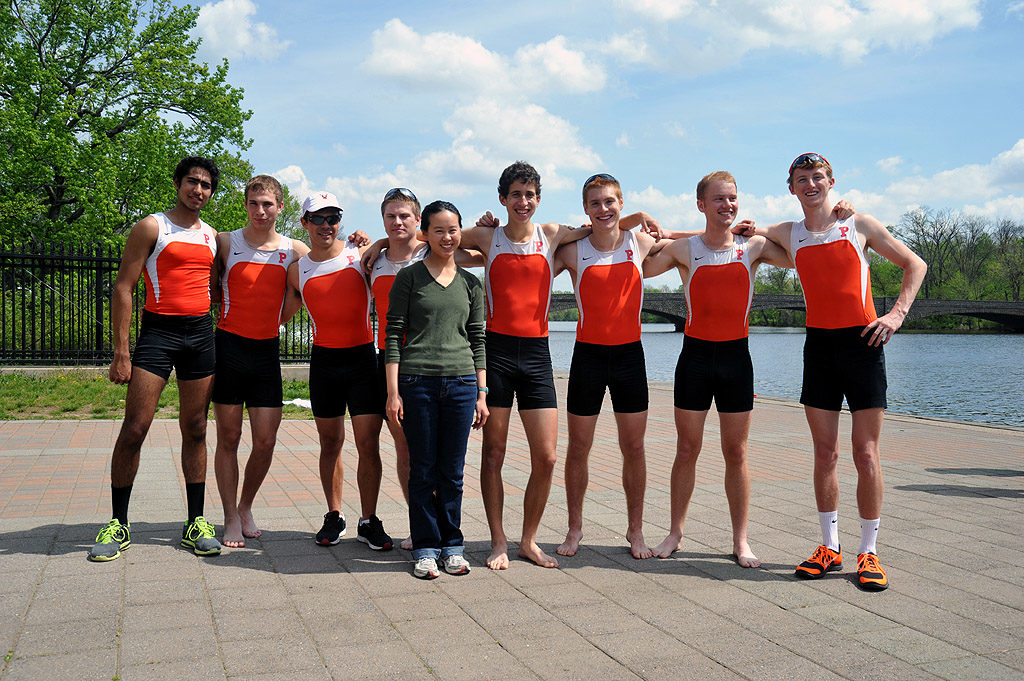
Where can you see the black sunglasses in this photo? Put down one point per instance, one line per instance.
(321, 219)
(599, 176)
(400, 191)
(808, 158)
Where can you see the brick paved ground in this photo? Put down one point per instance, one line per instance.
(284, 608)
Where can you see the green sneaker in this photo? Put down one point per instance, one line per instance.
(199, 536)
(110, 542)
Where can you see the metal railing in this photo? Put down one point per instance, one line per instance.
(56, 307)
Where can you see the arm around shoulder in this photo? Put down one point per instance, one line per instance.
(666, 255)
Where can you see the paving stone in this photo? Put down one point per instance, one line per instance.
(207, 668)
(63, 637)
(909, 645)
(289, 653)
(975, 668)
(256, 623)
(97, 664)
(391, 661)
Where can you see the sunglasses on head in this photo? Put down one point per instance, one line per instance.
(400, 191)
(321, 219)
(808, 158)
(599, 176)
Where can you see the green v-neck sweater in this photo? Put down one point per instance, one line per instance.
(435, 330)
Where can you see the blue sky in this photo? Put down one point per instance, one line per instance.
(914, 102)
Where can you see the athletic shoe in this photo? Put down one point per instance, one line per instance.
(455, 564)
(112, 539)
(201, 537)
(333, 529)
(371, 532)
(426, 568)
(824, 560)
(870, 574)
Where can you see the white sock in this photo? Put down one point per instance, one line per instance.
(829, 528)
(868, 535)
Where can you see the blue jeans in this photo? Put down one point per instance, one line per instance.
(438, 413)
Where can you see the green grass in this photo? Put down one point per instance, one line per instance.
(75, 394)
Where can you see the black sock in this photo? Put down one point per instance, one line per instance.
(195, 496)
(119, 497)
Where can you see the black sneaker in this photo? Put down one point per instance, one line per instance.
(333, 529)
(371, 532)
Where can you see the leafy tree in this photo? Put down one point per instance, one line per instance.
(1008, 238)
(100, 99)
(933, 236)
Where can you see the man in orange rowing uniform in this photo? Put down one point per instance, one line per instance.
(843, 353)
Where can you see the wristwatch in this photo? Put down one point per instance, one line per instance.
(482, 390)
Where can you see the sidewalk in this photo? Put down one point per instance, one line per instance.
(284, 608)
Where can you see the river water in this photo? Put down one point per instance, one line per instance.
(970, 377)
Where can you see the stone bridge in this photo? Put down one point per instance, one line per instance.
(672, 307)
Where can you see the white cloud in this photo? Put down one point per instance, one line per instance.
(660, 10)
(629, 48)
(459, 63)
(1015, 9)
(553, 66)
(676, 129)
(295, 179)
(704, 36)
(889, 165)
(484, 139)
(622, 141)
(226, 30)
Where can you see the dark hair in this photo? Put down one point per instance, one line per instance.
(520, 171)
(187, 164)
(435, 207)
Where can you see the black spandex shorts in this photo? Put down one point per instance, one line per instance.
(839, 362)
(248, 371)
(184, 343)
(619, 368)
(714, 369)
(519, 367)
(340, 377)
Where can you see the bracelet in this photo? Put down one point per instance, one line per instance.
(482, 390)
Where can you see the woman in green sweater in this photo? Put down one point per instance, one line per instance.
(434, 352)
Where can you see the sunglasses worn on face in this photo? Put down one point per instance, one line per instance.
(808, 158)
(321, 219)
(400, 191)
(599, 176)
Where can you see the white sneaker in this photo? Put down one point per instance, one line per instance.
(455, 564)
(426, 568)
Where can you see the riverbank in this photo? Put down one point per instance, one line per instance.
(286, 608)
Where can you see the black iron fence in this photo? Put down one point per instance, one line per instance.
(56, 307)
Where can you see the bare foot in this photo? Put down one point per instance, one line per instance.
(498, 560)
(532, 552)
(744, 556)
(249, 528)
(637, 546)
(233, 533)
(571, 544)
(673, 542)
(406, 544)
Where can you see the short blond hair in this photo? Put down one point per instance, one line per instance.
(717, 176)
(265, 183)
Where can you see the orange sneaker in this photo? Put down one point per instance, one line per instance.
(870, 574)
(824, 560)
